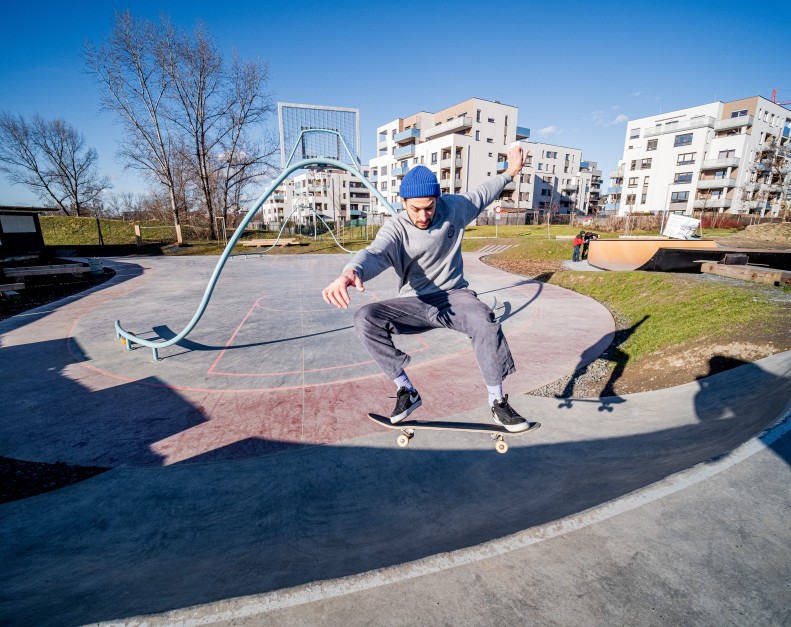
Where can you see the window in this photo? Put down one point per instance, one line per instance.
(477, 136)
(433, 158)
(383, 170)
(384, 186)
(682, 177)
(720, 174)
(685, 158)
(652, 144)
(738, 114)
(633, 182)
(683, 140)
(645, 164)
(643, 198)
(679, 197)
(540, 166)
(491, 120)
(645, 181)
(630, 199)
(634, 133)
(727, 154)
(634, 165)
(489, 140)
(477, 115)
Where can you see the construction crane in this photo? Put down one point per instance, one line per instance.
(774, 98)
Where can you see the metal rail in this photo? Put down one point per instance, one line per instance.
(130, 339)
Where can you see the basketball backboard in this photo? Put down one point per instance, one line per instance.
(300, 133)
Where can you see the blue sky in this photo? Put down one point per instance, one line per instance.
(576, 70)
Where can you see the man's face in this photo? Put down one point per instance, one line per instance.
(421, 211)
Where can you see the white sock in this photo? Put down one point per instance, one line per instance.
(402, 381)
(495, 393)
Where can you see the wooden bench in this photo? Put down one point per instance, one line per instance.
(65, 268)
(268, 242)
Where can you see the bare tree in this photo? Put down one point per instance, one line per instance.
(216, 107)
(51, 158)
(130, 66)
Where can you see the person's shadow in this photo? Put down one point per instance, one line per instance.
(614, 354)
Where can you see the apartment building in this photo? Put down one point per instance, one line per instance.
(333, 194)
(721, 156)
(467, 143)
(554, 178)
(463, 145)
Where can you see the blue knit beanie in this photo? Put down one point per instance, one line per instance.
(419, 182)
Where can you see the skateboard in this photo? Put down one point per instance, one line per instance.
(408, 428)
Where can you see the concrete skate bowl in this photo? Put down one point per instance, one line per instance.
(350, 515)
(641, 254)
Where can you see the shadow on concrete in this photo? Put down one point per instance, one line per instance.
(144, 540)
(123, 272)
(612, 353)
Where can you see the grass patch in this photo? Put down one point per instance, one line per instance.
(676, 309)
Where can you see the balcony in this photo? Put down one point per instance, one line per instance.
(715, 183)
(717, 164)
(616, 174)
(395, 188)
(444, 184)
(502, 166)
(614, 190)
(373, 178)
(729, 123)
(447, 163)
(279, 197)
(409, 135)
(689, 125)
(712, 203)
(569, 188)
(405, 151)
(522, 132)
(510, 187)
(400, 171)
(454, 126)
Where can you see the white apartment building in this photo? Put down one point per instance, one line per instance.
(333, 194)
(722, 156)
(553, 178)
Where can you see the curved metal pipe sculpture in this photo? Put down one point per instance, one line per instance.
(130, 339)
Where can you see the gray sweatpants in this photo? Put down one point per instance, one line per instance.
(459, 310)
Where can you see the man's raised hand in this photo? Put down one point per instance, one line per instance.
(336, 293)
(516, 159)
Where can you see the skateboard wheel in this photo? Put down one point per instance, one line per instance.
(402, 440)
(501, 446)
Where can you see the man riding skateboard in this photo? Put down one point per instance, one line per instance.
(423, 245)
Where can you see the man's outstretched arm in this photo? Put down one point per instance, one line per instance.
(337, 292)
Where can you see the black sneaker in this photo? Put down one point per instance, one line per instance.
(407, 401)
(505, 415)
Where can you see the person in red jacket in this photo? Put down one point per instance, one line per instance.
(577, 243)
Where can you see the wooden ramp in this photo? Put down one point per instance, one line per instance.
(633, 254)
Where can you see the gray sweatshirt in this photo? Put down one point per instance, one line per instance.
(427, 261)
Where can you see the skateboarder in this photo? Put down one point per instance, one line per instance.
(423, 245)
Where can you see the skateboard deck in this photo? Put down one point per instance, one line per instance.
(408, 428)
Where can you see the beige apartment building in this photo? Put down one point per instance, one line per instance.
(467, 143)
(721, 156)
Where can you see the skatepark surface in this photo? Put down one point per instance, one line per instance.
(248, 487)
